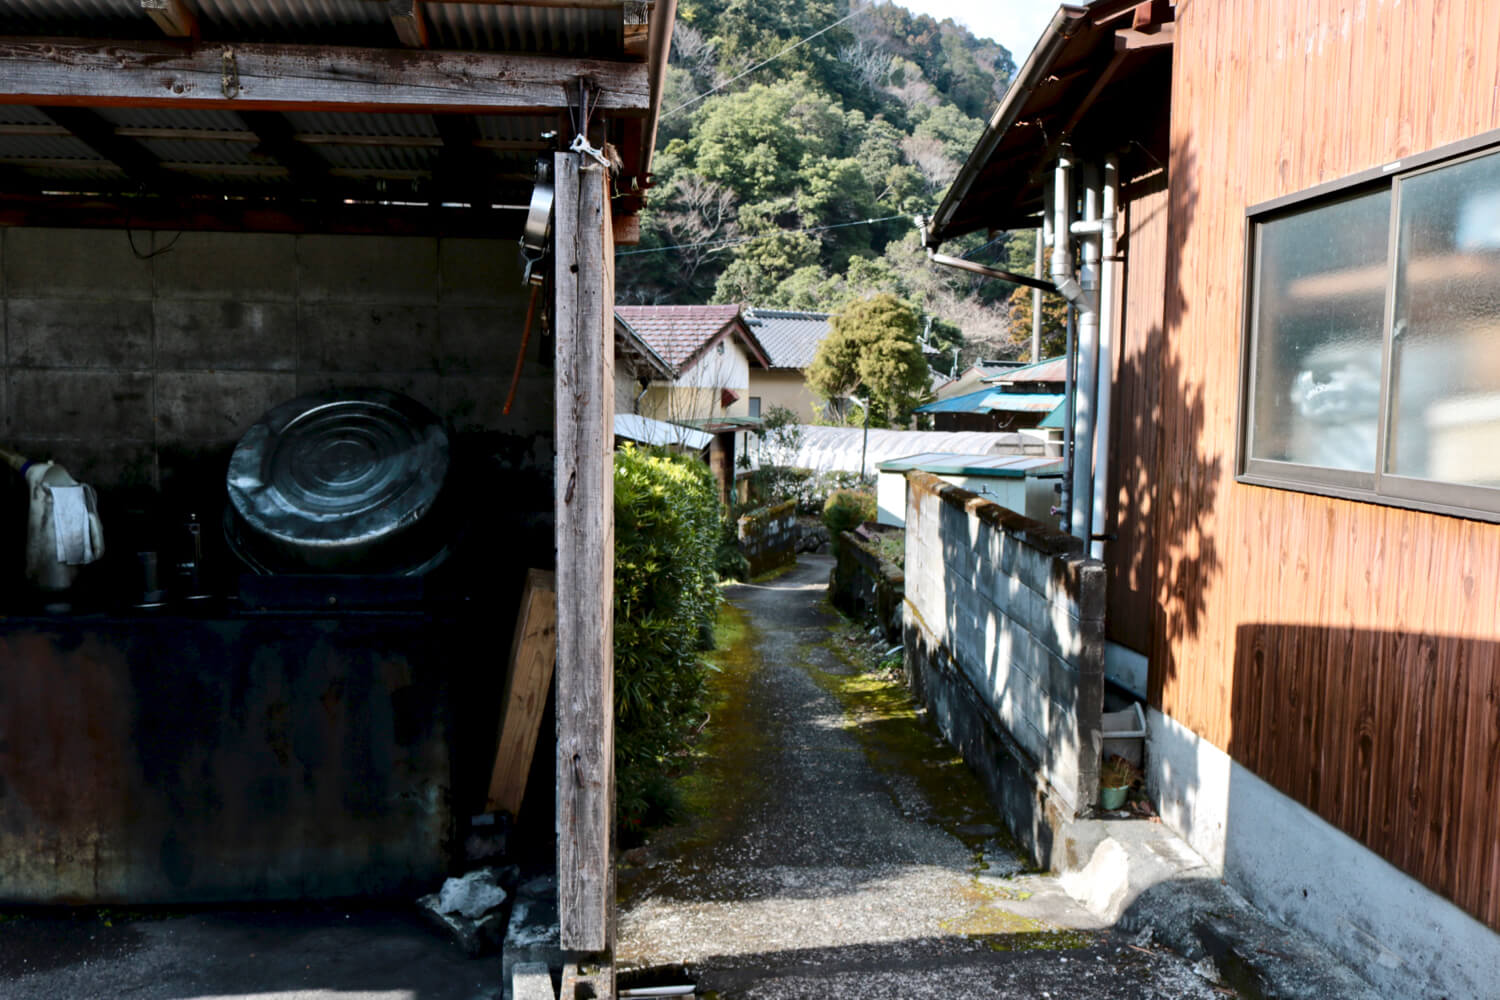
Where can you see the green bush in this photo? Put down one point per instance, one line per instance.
(847, 510)
(667, 523)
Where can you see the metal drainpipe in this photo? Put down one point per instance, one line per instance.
(1085, 410)
(1062, 277)
(1104, 388)
(1036, 305)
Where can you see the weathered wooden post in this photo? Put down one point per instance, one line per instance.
(585, 554)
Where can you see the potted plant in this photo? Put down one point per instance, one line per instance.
(1115, 779)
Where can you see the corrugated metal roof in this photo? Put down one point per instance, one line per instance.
(193, 118)
(988, 400)
(547, 28)
(45, 147)
(361, 124)
(644, 430)
(1023, 402)
(196, 151)
(959, 464)
(791, 339)
(516, 28)
(1050, 370)
(830, 449)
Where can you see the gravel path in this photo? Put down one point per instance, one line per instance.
(837, 850)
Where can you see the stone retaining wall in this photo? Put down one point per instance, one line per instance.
(768, 537)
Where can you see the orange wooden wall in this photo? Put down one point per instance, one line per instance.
(1136, 408)
(1345, 652)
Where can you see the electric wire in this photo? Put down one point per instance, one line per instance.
(739, 240)
(740, 76)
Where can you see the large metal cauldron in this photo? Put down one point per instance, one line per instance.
(342, 481)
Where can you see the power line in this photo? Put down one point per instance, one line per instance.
(801, 41)
(761, 236)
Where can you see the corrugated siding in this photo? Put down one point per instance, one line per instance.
(1347, 653)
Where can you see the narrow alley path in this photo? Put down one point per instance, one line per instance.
(836, 848)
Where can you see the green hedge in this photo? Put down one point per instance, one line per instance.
(847, 510)
(667, 523)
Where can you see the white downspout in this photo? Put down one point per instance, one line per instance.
(1088, 362)
(1108, 297)
(1057, 233)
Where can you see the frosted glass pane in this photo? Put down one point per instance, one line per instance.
(1445, 358)
(1320, 307)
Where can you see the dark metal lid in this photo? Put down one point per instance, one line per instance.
(332, 479)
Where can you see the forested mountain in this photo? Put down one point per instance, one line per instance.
(870, 119)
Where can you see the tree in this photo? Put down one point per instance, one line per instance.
(1054, 315)
(872, 352)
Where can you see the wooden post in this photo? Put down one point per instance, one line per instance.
(584, 267)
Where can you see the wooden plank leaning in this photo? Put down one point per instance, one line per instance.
(533, 652)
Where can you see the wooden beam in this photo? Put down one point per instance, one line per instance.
(627, 230)
(174, 17)
(533, 654)
(260, 215)
(83, 72)
(1133, 39)
(99, 135)
(411, 26)
(584, 288)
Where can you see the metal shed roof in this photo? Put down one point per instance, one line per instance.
(433, 104)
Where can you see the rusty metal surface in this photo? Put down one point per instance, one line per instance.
(174, 759)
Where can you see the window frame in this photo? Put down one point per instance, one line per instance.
(1377, 486)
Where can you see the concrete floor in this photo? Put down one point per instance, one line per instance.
(836, 848)
(268, 953)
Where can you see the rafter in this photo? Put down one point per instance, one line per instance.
(77, 72)
(406, 17)
(99, 135)
(174, 17)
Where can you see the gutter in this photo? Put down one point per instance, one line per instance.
(1064, 25)
(663, 18)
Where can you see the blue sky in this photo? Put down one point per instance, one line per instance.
(1016, 24)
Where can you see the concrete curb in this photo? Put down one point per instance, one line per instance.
(1144, 879)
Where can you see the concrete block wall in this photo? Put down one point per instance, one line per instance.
(135, 357)
(768, 537)
(1005, 627)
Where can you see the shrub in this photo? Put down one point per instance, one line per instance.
(846, 510)
(667, 523)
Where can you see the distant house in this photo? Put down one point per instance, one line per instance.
(637, 365)
(691, 366)
(709, 352)
(1009, 398)
(972, 377)
(791, 342)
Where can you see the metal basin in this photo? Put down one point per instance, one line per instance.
(344, 481)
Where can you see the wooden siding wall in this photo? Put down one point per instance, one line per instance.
(1136, 406)
(1345, 652)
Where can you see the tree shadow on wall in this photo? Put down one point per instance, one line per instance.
(1166, 473)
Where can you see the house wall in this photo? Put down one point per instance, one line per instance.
(625, 385)
(696, 394)
(1135, 427)
(1004, 639)
(1346, 654)
(780, 387)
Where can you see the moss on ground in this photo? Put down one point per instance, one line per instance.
(898, 738)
